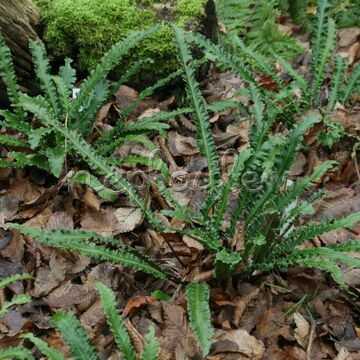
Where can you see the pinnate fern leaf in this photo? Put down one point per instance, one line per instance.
(85, 243)
(74, 336)
(50, 352)
(116, 323)
(205, 138)
(197, 298)
(151, 346)
(19, 353)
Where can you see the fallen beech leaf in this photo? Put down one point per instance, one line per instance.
(238, 341)
(128, 218)
(302, 330)
(103, 222)
(136, 303)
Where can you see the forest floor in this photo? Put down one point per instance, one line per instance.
(294, 315)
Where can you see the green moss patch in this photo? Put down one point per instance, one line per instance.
(88, 28)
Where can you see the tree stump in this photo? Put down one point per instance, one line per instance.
(19, 21)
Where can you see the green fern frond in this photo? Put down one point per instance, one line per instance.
(19, 352)
(197, 298)
(116, 323)
(151, 346)
(13, 121)
(50, 352)
(353, 84)
(68, 74)
(16, 300)
(75, 336)
(85, 178)
(299, 186)
(84, 243)
(234, 177)
(12, 278)
(310, 230)
(336, 82)
(148, 92)
(320, 33)
(223, 57)
(205, 138)
(42, 69)
(12, 141)
(323, 58)
(7, 73)
(283, 163)
(85, 120)
(110, 60)
(260, 60)
(299, 81)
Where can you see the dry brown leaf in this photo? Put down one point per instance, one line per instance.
(136, 303)
(238, 341)
(91, 200)
(348, 36)
(60, 220)
(302, 330)
(192, 243)
(103, 222)
(128, 218)
(182, 145)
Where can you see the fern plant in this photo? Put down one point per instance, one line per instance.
(78, 341)
(261, 204)
(41, 145)
(307, 92)
(256, 23)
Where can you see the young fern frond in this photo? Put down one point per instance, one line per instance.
(75, 336)
(323, 59)
(42, 69)
(336, 82)
(353, 84)
(85, 243)
(205, 139)
(50, 352)
(115, 321)
(19, 353)
(151, 346)
(197, 299)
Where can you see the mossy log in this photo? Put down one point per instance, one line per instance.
(19, 20)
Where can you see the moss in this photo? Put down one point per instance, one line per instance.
(88, 28)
